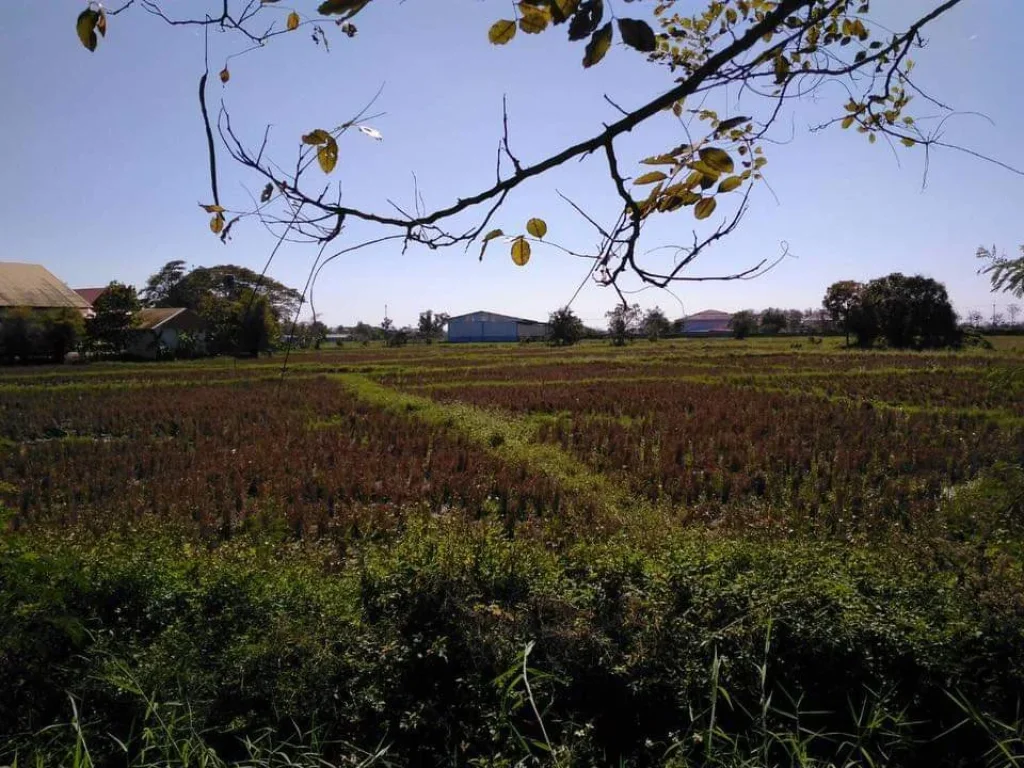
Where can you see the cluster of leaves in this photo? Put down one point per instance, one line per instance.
(584, 18)
(1006, 274)
(520, 246)
(696, 174)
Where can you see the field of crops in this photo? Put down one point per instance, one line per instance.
(366, 539)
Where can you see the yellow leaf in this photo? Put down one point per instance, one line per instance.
(693, 179)
(212, 208)
(319, 136)
(86, 28)
(847, 121)
(659, 160)
(717, 159)
(906, 141)
(101, 23)
(520, 252)
(217, 223)
(327, 155)
(704, 208)
(650, 178)
(487, 238)
(537, 227)
(598, 46)
(872, 138)
(534, 19)
(730, 183)
(293, 21)
(225, 75)
(501, 32)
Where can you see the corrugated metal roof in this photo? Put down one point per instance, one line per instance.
(151, 318)
(90, 294)
(710, 314)
(496, 317)
(33, 285)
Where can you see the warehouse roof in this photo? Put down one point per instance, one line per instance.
(33, 285)
(496, 317)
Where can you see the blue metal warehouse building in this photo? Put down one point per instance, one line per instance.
(490, 326)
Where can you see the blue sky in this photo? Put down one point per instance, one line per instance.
(104, 158)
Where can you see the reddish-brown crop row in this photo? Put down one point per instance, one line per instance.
(221, 457)
(744, 455)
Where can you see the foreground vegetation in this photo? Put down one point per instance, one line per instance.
(712, 553)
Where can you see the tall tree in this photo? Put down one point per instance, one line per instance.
(623, 322)
(109, 329)
(912, 311)
(566, 327)
(176, 286)
(742, 324)
(840, 300)
(656, 324)
(773, 321)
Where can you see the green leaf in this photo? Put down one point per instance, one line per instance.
(520, 252)
(650, 178)
(501, 32)
(716, 158)
(86, 28)
(704, 208)
(638, 34)
(906, 141)
(730, 183)
(586, 19)
(487, 238)
(347, 8)
(319, 136)
(598, 45)
(847, 121)
(537, 227)
(293, 21)
(327, 155)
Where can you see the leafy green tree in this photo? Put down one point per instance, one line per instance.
(840, 300)
(912, 311)
(566, 327)
(743, 324)
(110, 328)
(623, 323)
(256, 324)
(773, 321)
(656, 324)
(1006, 274)
(431, 326)
(176, 286)
(62, 329)
(17, 332)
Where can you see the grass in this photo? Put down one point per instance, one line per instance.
(370, 563)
